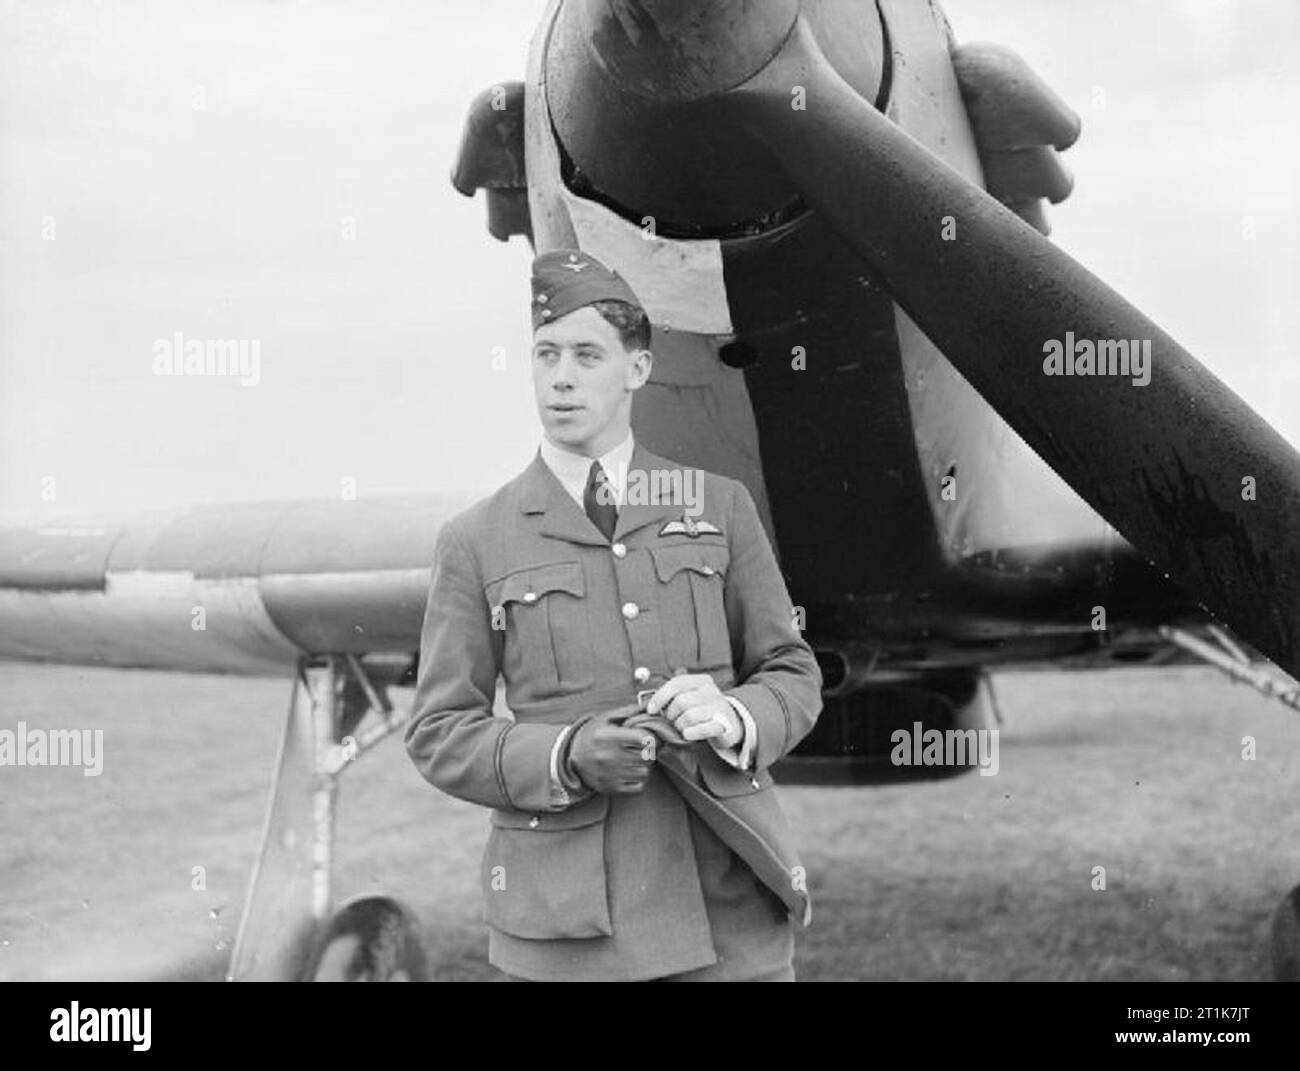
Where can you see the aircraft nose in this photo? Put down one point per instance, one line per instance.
(632, 88)
(683, 49)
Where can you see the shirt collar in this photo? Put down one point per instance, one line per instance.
(572, 469)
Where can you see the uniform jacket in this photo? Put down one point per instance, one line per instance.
(524, 585)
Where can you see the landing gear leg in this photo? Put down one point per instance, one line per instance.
(289, 893)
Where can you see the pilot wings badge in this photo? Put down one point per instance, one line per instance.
(689, 526)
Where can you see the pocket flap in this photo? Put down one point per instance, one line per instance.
(702, 558)
(529, 585)
(552, 887)
(583, 813)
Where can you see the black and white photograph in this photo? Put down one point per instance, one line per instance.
(651, 490)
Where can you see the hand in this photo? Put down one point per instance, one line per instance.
(609, 759)
(693, 703)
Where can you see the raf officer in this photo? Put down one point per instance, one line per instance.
(652, 671)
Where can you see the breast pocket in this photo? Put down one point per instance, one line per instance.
(544, 874)
(543, 612)
(693, 612)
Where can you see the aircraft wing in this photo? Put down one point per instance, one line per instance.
(244, 589)
(249, 588)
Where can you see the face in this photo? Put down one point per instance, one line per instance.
(583, 380)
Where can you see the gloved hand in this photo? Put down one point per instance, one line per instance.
(697, 709)
(662, 728)
(610, 758)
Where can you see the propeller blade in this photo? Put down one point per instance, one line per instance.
(1182, 467)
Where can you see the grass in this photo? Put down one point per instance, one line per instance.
(974, 878)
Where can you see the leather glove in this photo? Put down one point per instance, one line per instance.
(610, 758)
(663, 729)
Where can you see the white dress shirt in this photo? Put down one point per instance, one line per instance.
(573, 470)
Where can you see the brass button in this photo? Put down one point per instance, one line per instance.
(630, 610)
(619, 550)
(534, 822)
(530, 596)
(641, 674)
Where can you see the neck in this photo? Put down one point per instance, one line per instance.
(598, 446)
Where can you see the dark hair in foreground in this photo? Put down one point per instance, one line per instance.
(631, 323)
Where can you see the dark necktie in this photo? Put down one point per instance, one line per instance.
(598, 501)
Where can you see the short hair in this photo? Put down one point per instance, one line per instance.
(630, 321)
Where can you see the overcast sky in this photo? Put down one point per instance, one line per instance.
(227, 221)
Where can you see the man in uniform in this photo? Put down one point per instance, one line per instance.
(652, 670)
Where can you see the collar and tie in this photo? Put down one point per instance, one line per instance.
(598, 501)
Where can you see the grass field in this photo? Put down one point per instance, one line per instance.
(979, 878)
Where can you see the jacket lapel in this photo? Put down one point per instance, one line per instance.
(637, 512)
(560, 517)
